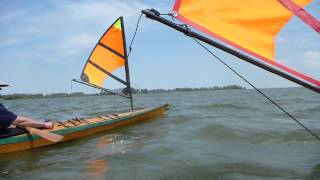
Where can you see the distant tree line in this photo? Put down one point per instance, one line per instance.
(137, 91)
(40, 95)
(134, 91)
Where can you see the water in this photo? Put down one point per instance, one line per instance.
(233, 134)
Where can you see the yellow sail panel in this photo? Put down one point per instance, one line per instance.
(96, 77)
(100, 55)
(108, 55)
(249, 25)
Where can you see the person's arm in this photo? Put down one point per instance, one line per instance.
(29, 122)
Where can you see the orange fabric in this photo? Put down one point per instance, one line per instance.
(96, 76)
(250, 25)
(105, 58)
(113, 38)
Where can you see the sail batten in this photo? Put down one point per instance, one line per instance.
(106, 72)
(112, 50)
(249, 26)
(302, 14)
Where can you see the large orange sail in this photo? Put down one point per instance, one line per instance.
(108, 55)
(248, 25)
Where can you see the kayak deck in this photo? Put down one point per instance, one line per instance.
(77, 128)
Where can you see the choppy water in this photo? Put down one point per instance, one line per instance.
(234, 134)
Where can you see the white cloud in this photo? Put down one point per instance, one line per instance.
(285, 61)
(305, 40)
(282, 40)
(314, 55)
(312, 58)
(64, 29)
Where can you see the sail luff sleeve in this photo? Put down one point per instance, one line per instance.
(248, 25)
(302, 14)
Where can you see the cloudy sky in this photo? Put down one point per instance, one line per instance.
(44, 44)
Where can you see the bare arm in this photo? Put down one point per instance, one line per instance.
(29, 122)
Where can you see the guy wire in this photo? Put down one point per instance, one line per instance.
(134, 35)
(263, 94)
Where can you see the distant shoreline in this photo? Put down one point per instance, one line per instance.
(134, 91)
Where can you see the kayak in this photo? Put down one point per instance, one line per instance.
(76, 128)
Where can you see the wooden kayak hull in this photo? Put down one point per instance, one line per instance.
(74, 129)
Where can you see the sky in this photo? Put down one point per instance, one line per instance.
(45, 44)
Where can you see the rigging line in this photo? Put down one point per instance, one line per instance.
(134, 35)
(136, 85)
(71, 86)
(168, 14)
(114, 102)
(74, 114)
(263, 94)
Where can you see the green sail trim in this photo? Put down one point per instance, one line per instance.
(117, 24)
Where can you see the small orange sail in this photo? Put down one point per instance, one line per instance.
(248, 25)
(108, 55)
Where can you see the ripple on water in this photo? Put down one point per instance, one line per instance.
(205, 135)
(222, 132)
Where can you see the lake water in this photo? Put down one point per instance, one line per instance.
(230, 134)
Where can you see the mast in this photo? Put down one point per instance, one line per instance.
(153, 14)
(126, 64)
